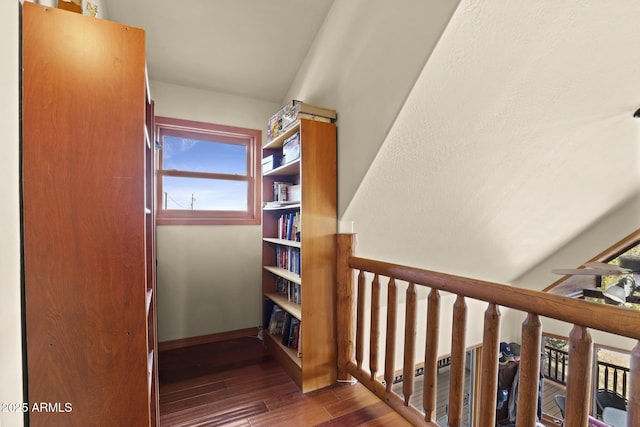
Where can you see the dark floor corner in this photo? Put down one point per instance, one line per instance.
(236, 383)
(205, 359)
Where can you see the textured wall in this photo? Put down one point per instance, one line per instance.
(517, 136)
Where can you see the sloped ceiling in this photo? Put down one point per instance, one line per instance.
(251, 48)
(516, 137)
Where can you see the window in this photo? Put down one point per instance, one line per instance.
(207, 174)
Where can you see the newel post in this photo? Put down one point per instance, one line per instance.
(346, 244)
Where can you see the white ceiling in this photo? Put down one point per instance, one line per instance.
(244, 47)
(516, 137)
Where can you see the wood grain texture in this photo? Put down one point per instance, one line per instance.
(621, 321)
(410, 333)
(489, 371)
(319, 225)
(529, 369)
(374, 334)
(582, 314)
(390, 345)
(429, 400)
(579, 386)
(360, 318)
(243, 386)
(458, 352)
(84, 221)
(315, 172)
(345, 305)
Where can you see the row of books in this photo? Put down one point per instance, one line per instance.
(280, 193)
(286, 192)
(288, 258)
(292, 290)
(284, 324)
(289, 226)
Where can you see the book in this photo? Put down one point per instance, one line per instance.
(270, 162)
(280, 191)
(277, 320)
(297, 293)
(286, 329)
(267, 312)
(289, 226)
(293, 333)
(275, 126)
(288, 258)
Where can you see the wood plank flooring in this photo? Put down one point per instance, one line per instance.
(235, 383)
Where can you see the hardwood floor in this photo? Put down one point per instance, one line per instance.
(235, 383)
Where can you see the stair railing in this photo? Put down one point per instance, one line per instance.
(352, 318)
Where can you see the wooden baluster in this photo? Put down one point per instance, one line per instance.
(374, 336)
(345, 305)
(409, 343)
(529, 369)
(491, 346)
(390, 349)
(633, 407)
(579, 380)
(456, 378)
(429, 394)
(362, 289)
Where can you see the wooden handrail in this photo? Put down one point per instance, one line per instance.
(620, 321)
(583, 315)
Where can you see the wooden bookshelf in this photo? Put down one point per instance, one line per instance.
(285, 274)
(315, 172)
(288, 306)
(290, 353)
(88, 220)
(289, 168)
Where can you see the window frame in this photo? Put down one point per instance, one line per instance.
(251, 138)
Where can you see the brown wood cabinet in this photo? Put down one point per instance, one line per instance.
(304, 266)
(88, 231)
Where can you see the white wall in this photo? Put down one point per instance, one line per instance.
(10, 324)
(209, 277)
(380, 47)
(363, 63)
(499, 155)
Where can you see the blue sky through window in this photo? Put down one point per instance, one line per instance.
(183, 193)
(205, 194)
(204, 156)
